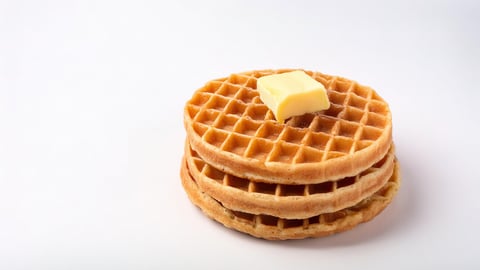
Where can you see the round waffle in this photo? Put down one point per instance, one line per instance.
(275, 228)
(231, 129)
(288, 201)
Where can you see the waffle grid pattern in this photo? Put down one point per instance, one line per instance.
(325, 218)
(229, 114)
(275, 228)
(275, 189)
(316, 174)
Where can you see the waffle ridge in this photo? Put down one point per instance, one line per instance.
(231, 129)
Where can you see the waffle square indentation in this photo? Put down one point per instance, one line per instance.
(334, 110)
(246, 217)
(376, 120)
(251, 83)
(228, 90)
(269, 220)
(199, 164)
(292, 190)
(214, 174)
(348, 181)
(309, 155)
(371, 133)
(332, 217)
(257, 111)
(377, 107)
(236, 182)
(212, 86)
(236, 144)
(342, 85)
(238, 79)
(357, 102)
(235, 108)
(259, 149)
(323, 124)
(265, 188)
(207, 117)
(192, 111)
(245, 127)
(341, 144)
(217, 102)
(293, 135)
(226, 122)
(283, 152)
(317, 140)
(347, 129)
(200, 129)
(246, 95)
(199, 99)
(269, 131)
(361, 91)
(214, 137)
(336, 98)
(324, 187)
(354, 115)
(292, 223)
(301, 121)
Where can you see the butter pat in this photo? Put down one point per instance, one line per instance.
(291, 94)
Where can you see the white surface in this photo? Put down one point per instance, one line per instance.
(91, 133)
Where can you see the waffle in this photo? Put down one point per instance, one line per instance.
(274, 228)
(288, 201)
(232, 130)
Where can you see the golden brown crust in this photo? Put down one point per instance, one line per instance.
(232, 130)
(288, 201)
(273, 228)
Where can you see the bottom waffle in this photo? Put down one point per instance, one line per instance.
(274, 228)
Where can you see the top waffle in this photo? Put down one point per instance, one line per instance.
(231, 129)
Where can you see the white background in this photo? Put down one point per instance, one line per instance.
(91, 132)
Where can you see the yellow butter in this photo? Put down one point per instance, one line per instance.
(291, 94)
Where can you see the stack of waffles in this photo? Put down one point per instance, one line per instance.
(315, 175)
